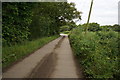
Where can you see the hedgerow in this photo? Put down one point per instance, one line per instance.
(97, 52)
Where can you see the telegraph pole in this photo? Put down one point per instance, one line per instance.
(119, 12)
(89, 17)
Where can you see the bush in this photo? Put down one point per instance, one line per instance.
(97, 52)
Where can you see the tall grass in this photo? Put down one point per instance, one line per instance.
(13, 53)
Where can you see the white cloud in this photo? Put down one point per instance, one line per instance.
(105, 12)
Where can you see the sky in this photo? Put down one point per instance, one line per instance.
(104, 12)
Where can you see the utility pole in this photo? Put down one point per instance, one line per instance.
(89, 17)
(119, 12)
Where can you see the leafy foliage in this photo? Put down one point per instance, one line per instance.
(94, 27)
(115, 27)
(16, 19)
(29, 20)
(97, 52)
(64, 28)
(48, 17)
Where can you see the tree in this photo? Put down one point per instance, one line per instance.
(16, 19)
(64, 28)
(94, 27)
(31, 20)
(49, 17)
(116, 27)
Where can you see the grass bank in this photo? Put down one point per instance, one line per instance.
(16, 52)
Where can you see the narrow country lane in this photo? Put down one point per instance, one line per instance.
(54, 60)
(65, 66)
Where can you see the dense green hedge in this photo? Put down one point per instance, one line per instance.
(97, 52)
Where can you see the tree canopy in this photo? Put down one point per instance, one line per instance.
(31, 20)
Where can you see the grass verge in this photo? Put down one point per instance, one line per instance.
(16, 52)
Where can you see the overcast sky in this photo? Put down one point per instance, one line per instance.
(105, 12)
